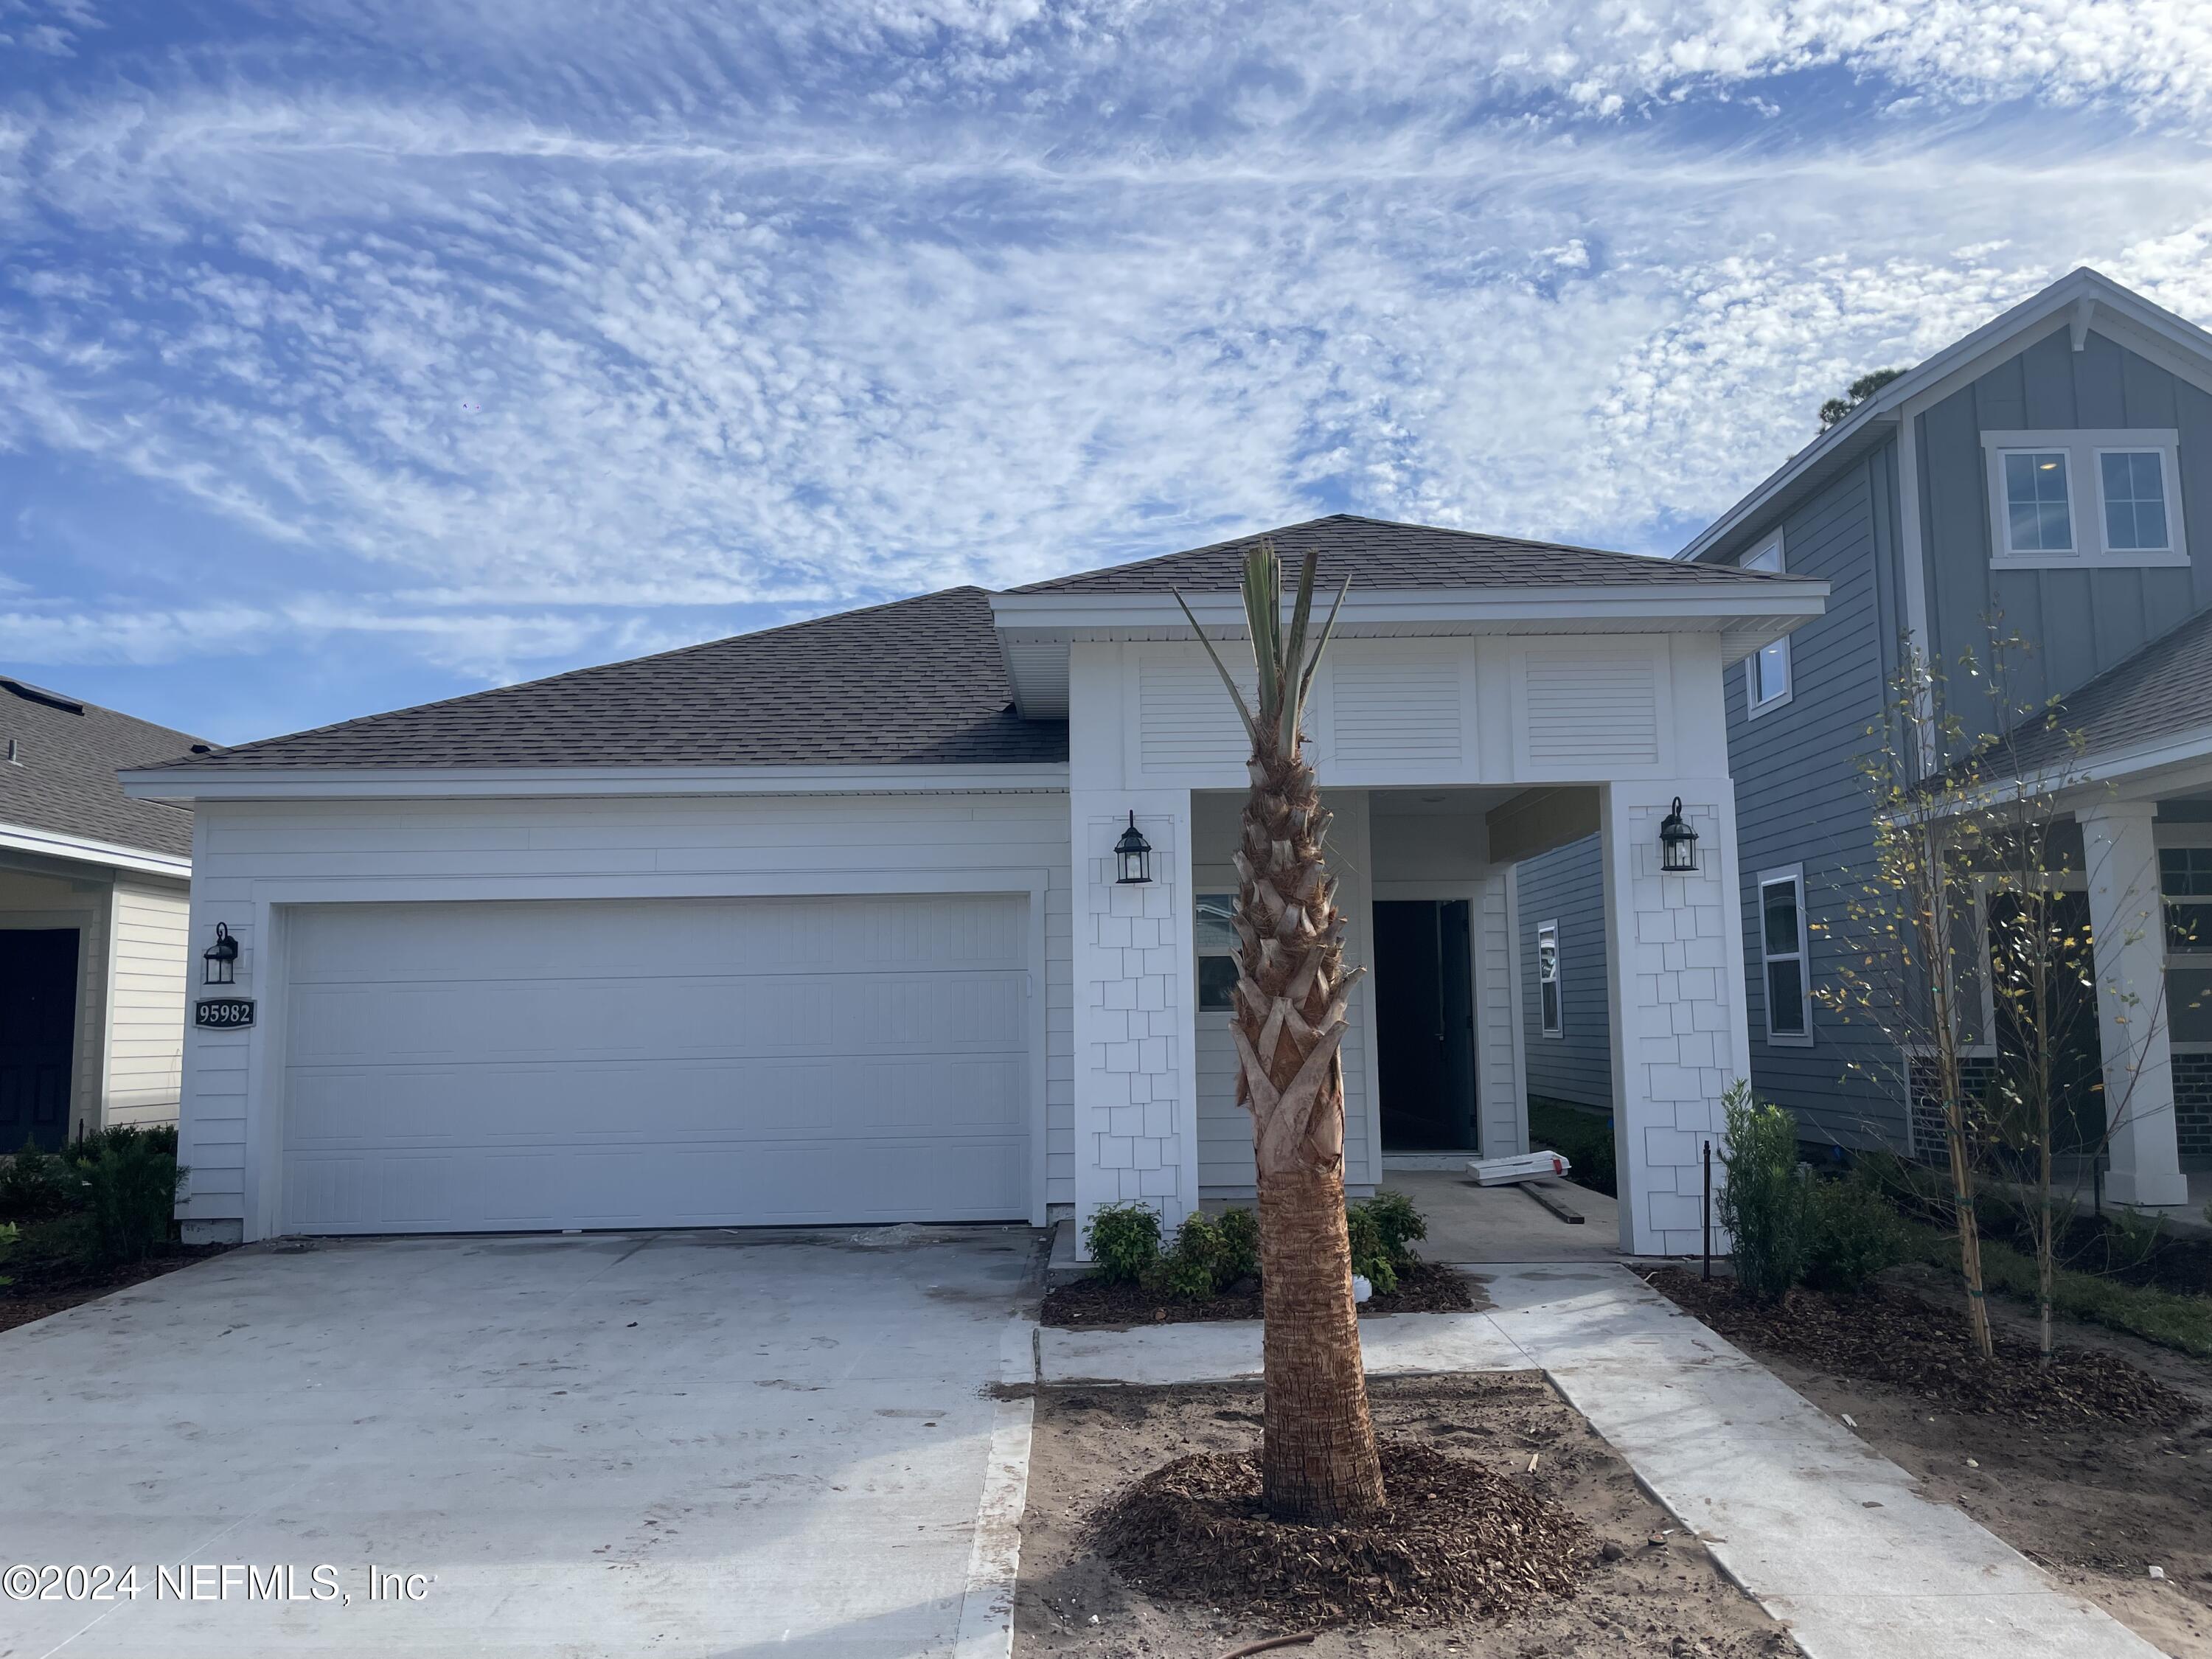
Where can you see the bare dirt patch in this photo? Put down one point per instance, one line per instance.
(43, 1285)
(1640, 1584)
(1090, 1304)
(2094, 1499)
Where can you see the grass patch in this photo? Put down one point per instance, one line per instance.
(1584, 1136)
(2167, 1317)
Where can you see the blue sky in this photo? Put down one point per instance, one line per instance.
(355, 352)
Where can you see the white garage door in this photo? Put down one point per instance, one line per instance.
(495, 1067)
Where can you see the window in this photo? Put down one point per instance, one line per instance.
(1548, 977)
(1782, 940)
(1766, 675)
(2083, 498)
(2038, 508)
(2134, 485)
(2185, 881)
(1217, 951)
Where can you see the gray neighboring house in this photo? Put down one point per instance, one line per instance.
(2054, 468)
(95, 890)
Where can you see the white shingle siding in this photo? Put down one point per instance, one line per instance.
(245, 850)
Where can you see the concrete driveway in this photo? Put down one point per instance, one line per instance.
(679, 1443)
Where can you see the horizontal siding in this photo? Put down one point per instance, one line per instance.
(239, 844)
(1802, 799)
(146, 1006)
(1567, 885)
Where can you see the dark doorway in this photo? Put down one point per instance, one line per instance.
(37, 1035)
(1425, 1023)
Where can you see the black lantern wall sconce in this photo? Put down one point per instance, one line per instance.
(1678, 842)
(219, 961)
(1132, 855)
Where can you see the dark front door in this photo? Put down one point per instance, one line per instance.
(1424, 1024)
(38, 1034)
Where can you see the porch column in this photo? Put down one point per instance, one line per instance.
(2127, 926)
(1136, 1095)
(1675, 989)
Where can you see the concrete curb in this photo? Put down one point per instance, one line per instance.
(987, 1605)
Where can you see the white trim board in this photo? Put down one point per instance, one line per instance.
(54, 844)
(209, 781)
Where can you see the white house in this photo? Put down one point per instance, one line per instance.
(93, 896)
(823, 924)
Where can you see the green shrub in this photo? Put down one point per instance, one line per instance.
(1240, 1244)
(1763, 1203)
(10, 1233)
(1192, 1271)
(130, 1193)
(37, 1186)
(1371, 1257)
(1400, 1225)
(1584, 1137)
(159, 1137)
(1856, 1234)
(2131, 1238)
(1123, 1242)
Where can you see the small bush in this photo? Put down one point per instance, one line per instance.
(130, 1193)
(1763, 1203)
(1856, 1234)
(1123, 1242)
(1400, 1225)
(1371, 1257)
(10, 1233)
(37, 1186)
(1240, 1244)
(159, 1137)
(2131, 1238)
(1192, 1271)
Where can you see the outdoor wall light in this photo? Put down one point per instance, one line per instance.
(1133, 854)
(1678, 842)
(219, 961)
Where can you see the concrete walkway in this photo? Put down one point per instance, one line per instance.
(1826, 1534)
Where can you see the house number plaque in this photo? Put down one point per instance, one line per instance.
(223, 1013)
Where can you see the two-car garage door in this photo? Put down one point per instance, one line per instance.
(497, 1066)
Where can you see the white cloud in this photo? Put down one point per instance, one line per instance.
(507, 373)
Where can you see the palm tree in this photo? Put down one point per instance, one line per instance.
(1318, 1461)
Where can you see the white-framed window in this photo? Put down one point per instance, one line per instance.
(1216, 933)
(1783, 957)
(1547, 979)
(1766, 670)
(2063, 499)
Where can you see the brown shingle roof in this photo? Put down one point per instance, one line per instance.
(63, 780)
(1376, 553)
(915, 683)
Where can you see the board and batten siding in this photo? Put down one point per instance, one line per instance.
(1225, 1166)
(2082, 622)
(1567, 885)
(464, 844)
(149, 961)
(1801, 799)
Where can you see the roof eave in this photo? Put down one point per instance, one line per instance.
(214, 781)
(82, 850)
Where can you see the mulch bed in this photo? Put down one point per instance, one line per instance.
(1888, 1334)
(1456, 1542)
(1426, 1287)
(46, 1284)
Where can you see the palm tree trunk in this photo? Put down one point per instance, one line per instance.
(1318, 1460)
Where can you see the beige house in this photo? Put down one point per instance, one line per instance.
(94, 901)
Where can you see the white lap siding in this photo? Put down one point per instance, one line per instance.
(247, 851)
(149, 964)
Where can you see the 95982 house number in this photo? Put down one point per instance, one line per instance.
(223, 1013)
